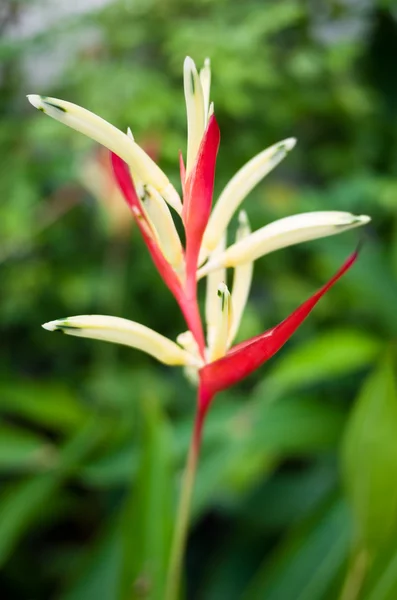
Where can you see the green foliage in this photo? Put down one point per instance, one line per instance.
(370, 457)
(93, 437)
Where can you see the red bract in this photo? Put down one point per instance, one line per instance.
(197, 201)
(246, 357)
(189, 309)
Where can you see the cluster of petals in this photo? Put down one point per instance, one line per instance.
(207, 355)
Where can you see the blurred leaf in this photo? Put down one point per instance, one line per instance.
(370, 457)
(101, 577)
(288, 497)
(22, 504)
(46, 404)
(381, 583)
(114, 468)
(328, 355)
(147, 520)
(251, 439)
(306, 563)
(22, 449)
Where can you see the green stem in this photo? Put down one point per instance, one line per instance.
(182, 519)
(355, 576)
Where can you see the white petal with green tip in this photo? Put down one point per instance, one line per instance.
(239, 187)
(123, 331)
(195, 109)
(282, 233)
(220, 334)
(161, 220)
(104, 133)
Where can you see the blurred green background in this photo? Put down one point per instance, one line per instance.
(296, 497)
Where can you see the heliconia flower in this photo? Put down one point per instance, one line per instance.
(211, 360)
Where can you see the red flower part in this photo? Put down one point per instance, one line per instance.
(246, 357)
(197, 201)
(189, 310)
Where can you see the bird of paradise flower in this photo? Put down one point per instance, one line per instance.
(211, 359)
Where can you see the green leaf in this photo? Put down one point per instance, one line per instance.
(305, 566)
(252, 438)
(147, 519)
(329, 355)
(49, 405)
(22, 504)
(101, 576)
(381, 583)
(21, 449)
(370, 458)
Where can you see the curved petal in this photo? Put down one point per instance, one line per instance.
(283, 233)
(239, 187)
(195, 109)
(104, 133)
(123, 331)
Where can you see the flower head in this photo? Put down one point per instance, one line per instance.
(210, 358)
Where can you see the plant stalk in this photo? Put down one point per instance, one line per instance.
(183, 514)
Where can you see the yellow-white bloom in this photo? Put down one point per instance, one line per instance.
(195, 108)
(220, 336)
(282, 233)
(127, 333)
(238, 188)
(160, 218)
(118, 142)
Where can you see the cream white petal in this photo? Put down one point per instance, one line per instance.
(195, 110)
(242, 278)
(109, 136)
(187, 341)
(239, 187)
(162, 223)
(205, 78)
(282, 233)
(123, 331)
(211, 299)
(219, 342)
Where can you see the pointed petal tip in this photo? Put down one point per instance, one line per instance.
(242, 217)
(362, 219)
(189, 63)
(51, 325)
(289, 143)
(35, 100)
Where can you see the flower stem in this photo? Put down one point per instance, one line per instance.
(182, 519)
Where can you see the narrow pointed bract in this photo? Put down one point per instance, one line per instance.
(199, 187)
(246, 357)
